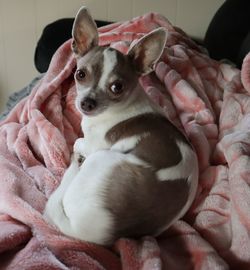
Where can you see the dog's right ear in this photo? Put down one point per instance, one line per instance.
(84, 32)
(148, 49)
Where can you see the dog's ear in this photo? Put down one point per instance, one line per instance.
(147, 51)
(84, 32)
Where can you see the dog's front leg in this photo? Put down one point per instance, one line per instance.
(81, 151)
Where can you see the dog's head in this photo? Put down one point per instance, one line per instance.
(105, 77)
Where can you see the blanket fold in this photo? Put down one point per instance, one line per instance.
(208, 100)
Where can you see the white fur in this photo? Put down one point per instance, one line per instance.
(54, 212)
(109, 62)
(129, 143)
(182, 169)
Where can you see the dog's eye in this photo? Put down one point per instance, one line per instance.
(116, 88)
(80, 74)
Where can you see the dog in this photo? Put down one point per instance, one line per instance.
(134, 173)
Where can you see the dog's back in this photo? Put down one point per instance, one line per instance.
(147, 197)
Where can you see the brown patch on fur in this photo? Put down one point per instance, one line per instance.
(139, 203)
(93, 63)
(125, 72)
(159, 147)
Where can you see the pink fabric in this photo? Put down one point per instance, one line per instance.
(210, 101)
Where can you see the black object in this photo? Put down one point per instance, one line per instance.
(228, 34)
(53, 36)
(227, 37)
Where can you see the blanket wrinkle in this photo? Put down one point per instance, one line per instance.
(13, 233)
(140, 255)
(207, 100)
(245, 74)
(203, 255)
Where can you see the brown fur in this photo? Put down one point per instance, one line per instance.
(159, 148)
(139, 203)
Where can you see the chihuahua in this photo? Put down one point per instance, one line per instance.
(134, 173)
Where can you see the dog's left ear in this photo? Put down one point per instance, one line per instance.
(84, 32)
(147, 51)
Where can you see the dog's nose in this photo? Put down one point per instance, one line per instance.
(88, 104)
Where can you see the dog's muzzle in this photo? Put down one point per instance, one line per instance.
(88, 104)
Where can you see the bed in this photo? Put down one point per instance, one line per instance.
(207, 99)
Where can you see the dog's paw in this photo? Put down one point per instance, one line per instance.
(79, 145)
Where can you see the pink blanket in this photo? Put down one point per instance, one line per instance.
(209, 100)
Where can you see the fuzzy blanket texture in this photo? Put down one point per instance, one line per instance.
(208, 100)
